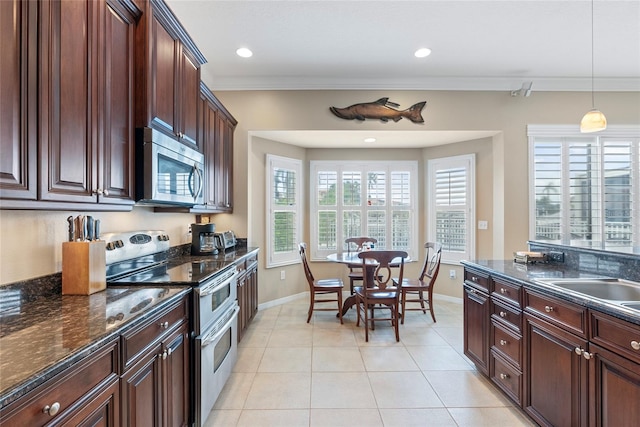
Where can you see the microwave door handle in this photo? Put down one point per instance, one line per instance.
(196, 193)
(201, 181)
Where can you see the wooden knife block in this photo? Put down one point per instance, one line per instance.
(83, 267)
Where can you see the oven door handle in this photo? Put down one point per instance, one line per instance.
(214, 335)
(209, 289)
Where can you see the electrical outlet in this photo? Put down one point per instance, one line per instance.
(452, 274)
(483, 225)
(555, 256)
(282, 275)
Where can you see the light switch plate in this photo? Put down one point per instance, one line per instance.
(483, 225)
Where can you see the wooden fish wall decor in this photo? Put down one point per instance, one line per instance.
(380, 110)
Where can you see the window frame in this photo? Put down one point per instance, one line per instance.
(275, 259)
(466, 161)
(365, 167)
(571, 133)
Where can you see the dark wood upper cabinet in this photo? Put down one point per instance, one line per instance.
(218, 128)
(18, 114)
(167, 74)
(71, 129)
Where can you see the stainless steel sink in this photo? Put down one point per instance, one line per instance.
(617, 290)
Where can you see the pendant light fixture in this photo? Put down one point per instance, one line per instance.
(594, 120)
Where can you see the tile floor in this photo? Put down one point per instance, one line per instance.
(290, 373)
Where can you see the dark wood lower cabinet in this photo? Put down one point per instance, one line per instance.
(247, 292)
(476, 327)
(102, 410)
(615, 389)
(155, 389)
(555, 375)
(567, 365)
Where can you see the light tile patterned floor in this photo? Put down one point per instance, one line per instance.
(323, 374)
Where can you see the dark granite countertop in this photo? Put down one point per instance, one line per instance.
(525, 274)
(44, 336)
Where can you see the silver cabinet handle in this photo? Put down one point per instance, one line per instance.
(504, 376)
(503, 291)
(164, 355)
(548, 308)
(474, 278)
(164, 325)
(503, 314)
(635, 345)
(169, 351)
(503, 342)
(51, 410)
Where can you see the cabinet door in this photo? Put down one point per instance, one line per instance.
(102, 410)
(224, 163)
(209, 121)
(555, 375)
(476, 327)
(243, 302)
(615, 389)
(190, 86)
(116, 76)
(18, 174)
(142, 392)
(252, 282)
(176, 376)
(163, 73)
(68, 109)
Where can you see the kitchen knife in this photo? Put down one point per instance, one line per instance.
(72, 229)
(80, 228)
(89, 222)
(96, 233)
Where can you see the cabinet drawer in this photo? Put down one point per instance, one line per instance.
(480, 280)
(507, 343)
(136, 342)
(616, 335)
(509, 292)
(506, 314)
(506, 377)
(61, 391)
(571, 317)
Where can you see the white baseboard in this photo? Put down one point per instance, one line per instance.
(280, 301)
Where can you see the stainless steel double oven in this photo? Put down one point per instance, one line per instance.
(141, 258)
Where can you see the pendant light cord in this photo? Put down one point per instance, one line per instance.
(593, 99)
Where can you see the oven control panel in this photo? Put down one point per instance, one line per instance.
(134, 244)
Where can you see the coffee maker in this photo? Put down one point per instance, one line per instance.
(203, 240)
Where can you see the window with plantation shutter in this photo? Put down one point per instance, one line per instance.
(585, 188)
(452, 206)
(284, 204)
(375, 199)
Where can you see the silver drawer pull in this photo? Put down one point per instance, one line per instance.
(548, 308)
(474, 278)
(164, 325)
(635, 345)
(503, 291)
(51, 410)
(503, 342)
(504, 376)
(503, 314)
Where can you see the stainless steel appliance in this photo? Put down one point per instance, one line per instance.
(203, 240)
(225, 240)
(141, 258)
(167, 171)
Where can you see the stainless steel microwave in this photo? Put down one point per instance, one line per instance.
(168, 172)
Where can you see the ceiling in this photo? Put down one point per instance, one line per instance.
(476, 44)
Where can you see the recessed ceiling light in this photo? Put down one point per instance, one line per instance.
(423, 52)
(244, 52)
(369, 140)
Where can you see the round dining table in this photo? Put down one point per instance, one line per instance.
(352, 258)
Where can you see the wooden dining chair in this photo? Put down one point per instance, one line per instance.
(318, 289)
(380, 291)
(420, 290)
(356, 244)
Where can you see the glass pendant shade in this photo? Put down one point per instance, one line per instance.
(593, 121)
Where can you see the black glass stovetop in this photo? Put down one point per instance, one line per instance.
(187, 273)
